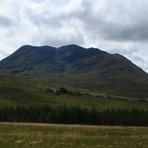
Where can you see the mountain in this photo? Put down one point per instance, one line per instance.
(76, 66)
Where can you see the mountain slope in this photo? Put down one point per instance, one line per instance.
(79, 67)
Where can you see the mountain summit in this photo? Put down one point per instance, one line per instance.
(76, 66)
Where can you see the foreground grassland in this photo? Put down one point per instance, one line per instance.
(16, 135)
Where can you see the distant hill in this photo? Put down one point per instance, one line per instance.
(76, 66)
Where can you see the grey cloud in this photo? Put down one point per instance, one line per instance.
(56, 28)
(47, 17)
(61, 39)
(138, 58)
(137, 32)
(5, 21)
(122, 22)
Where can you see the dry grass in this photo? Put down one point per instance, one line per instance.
(71, 136)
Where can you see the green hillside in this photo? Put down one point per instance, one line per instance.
(16, 91)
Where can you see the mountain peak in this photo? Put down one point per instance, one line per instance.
(74, 65)
(71, 46)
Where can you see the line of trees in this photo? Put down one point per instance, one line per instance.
(74, 115)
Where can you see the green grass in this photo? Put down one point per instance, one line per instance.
(16, 91)
(16, 135)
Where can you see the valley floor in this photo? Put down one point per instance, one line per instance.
(38, 135)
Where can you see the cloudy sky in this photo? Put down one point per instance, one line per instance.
(116, 26)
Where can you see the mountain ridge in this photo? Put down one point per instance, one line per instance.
(89, 68)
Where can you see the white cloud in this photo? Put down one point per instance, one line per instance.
(117, 26)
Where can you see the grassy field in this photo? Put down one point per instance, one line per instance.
(16, 91)
(16, 135)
